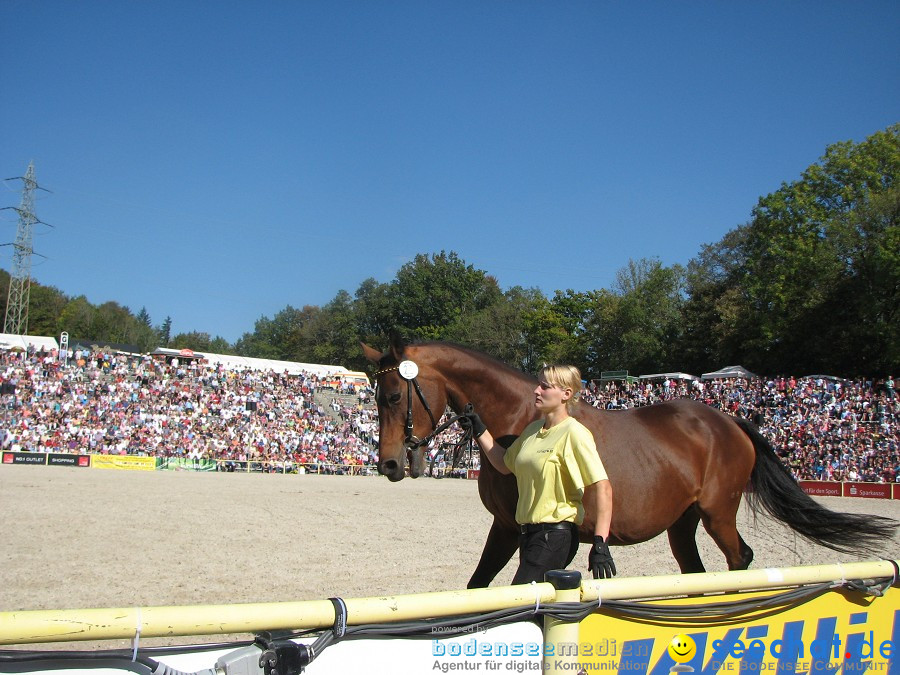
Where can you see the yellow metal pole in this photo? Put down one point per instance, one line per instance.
(36, 626)
(561, 637)
(636, 588)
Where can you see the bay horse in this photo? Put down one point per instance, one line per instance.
(671, 465)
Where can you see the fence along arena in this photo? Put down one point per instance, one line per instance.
(838, 618)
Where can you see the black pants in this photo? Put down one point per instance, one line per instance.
(545, 550)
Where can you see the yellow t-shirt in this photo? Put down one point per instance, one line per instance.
(552, 468)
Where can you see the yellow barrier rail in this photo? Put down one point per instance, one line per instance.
(742, 580)
(35, 626)
(42, 626)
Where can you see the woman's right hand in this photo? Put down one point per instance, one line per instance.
(470, 421)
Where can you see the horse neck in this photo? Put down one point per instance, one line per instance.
(502, 397)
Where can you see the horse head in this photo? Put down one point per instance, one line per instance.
(411, 400)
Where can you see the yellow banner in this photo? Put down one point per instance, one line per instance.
(840, 631)
(129, 462)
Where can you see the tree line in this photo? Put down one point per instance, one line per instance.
(810, 284)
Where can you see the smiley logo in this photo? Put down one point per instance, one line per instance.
(682, 648)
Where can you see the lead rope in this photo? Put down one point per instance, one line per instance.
(467, 435)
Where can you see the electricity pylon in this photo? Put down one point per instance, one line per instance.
(16, 321)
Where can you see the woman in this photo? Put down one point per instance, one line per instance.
(557, 469)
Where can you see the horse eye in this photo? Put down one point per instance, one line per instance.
(394, 398)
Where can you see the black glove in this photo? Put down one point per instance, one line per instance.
(600, 560)
(471, 421)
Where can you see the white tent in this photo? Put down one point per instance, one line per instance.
(11, 341)
(729, 372)
(245, 362)
(291, 367)
(670, 376)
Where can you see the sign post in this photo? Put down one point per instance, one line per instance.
(63, 347)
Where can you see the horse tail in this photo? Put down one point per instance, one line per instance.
(773, 489)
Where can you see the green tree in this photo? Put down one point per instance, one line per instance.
(113, 323)
(200, 341)
(258, 344)
(652, 297)
(430, 294)
(165, 332)
(143, 335)
(219, 345)
(374, 311)
(77, 318)
(144, 317)
(867, 290)
(331, 336)
(44, 308)
(821, 262)
(194, 340)
(285, 331)
(715, 319)
(283, 337)
(500, 328)
(603, 335)
(636, 326)
(555, 328)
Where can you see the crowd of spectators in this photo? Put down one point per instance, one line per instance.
(823, 428)
(107, 403)
(100, 402)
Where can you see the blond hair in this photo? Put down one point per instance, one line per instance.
(564, 377)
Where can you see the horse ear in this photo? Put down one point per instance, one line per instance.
(398, 344)
(372, 355)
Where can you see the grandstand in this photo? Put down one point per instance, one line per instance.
(185, 404)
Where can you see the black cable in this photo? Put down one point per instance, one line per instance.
(12, 657)
(169, 650)
(35, 661)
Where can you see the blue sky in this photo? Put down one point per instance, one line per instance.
(218, 161)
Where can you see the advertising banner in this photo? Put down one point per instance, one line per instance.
(128, 462)
(819, 488)
(24, 458)
(57, 459)
(185, 464)
(836, 631)
(870, 490)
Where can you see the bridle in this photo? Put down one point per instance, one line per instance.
(411, 441)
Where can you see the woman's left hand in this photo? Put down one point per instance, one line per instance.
(600, 560)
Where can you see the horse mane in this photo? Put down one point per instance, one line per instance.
(471, 351)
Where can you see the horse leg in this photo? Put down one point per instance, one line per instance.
(683, 541)
(722, 527)
(498, 549)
